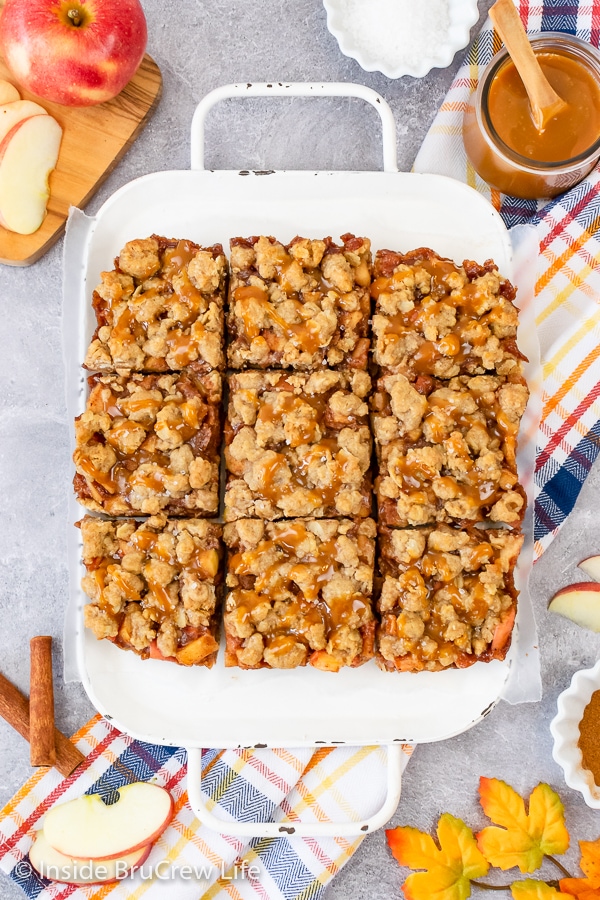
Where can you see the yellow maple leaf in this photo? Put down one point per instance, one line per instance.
(587, 888)
(529, 889)
(525, 837)
(450, 868)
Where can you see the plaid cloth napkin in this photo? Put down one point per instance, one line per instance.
(567, 278)
(347, 782)
(190, 861)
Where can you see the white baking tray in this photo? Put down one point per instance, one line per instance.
(228, 708)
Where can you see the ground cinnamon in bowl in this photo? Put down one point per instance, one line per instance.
(589, 736)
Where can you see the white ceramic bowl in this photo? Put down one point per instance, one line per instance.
(462, 13)
(565, 731)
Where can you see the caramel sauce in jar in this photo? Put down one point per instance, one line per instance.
(501, 141)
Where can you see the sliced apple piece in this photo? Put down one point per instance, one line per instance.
(56, 866)
(591, 566)
(197, 650)
(86, 828)
(28, 154)
(8, 92)
(503, 630)
(13, 113)
(580, 603)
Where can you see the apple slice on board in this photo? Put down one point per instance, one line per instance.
(16, 111)
(56, 866)
(8, 92)
(86, 828)
(591, 566)
(580, 603)
(28, 153)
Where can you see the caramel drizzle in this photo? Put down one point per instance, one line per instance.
(154, 597)
(489, 414)
(298, 587)
(469, 331)
(416, 481)
(465, 592)
(123, 476)
(303, 335)
(314, 453)
(128, 330)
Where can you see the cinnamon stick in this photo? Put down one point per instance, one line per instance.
(42, 749)
(14, 709)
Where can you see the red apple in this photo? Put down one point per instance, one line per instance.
(74, 52)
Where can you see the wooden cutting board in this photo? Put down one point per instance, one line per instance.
(94, 140)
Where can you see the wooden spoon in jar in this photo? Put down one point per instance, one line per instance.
(543, 99)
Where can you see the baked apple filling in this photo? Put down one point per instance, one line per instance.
(298, 445)
(447, 596)
(160, 309)
(150, 443)
(299, 592)
(154, 586)
(299, 306)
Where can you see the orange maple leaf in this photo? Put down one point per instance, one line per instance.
(587, 888)
(525, 837)
(529, 889)
(450, 868)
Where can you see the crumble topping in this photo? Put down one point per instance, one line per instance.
(447, 450)
(447, 596)
(298, 445)
(160, 309)
(299, 306)
(154, 586)
(433, 317)
(299, 592)
(149, 443)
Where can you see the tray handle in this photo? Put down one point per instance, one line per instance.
(298, 829)
(297, 89)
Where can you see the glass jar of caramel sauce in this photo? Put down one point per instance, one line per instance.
(502, 142)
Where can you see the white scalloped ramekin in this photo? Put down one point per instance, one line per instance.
(565, 731)
(463, 15)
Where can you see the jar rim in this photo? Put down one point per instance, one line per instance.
(581, 50)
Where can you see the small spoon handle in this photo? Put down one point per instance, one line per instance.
(545, 102)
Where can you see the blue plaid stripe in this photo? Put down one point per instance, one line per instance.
(138, 762)
(559, 16)
(29, 882)
(235, 794)
(559, 492)
(286, 869)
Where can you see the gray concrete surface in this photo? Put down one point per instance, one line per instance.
(200, 45)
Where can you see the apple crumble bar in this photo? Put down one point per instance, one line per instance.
(447, 450)
(433, 317)
(447, 596)
(161, 308)
(300, 306)
(298, 444)
(299, 592)
(154, 586)
(150, 443)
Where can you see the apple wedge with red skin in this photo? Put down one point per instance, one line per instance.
(17, 111)
(591, 566)
(86, 828)
(580, 603)
(28, 154)
(55, 866)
